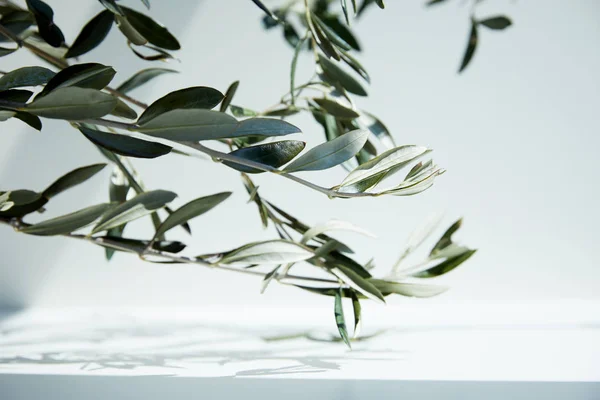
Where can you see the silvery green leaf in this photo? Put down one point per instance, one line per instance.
(190, 125)
(357, 314)
(416, 184)
(358, 283)
(378, 129)
(340, 321)
(336, 109)
(67, 223)
(408, 289)
(5, 115)
(151, 30)
(26, 76)
(137, 207)
(389, 161)
(240, 112)
(445, 266)
(273, 154)
(268, 278)
(332, 153)
(269, 252)
(143, 76)
(5, 203)
(191, 210)
(335, 75)
(73, 103)
(72, 179)
(129, 31)
(446, 239)
(333, 225)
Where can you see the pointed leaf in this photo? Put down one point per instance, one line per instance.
(358, 283)
(408, 289)
(497, 23)
(138, 246)
(268, 278)
(341, 30)
(125, 145)
(29, 119)
(190, 98)
(26, 76)
(335, 75)
(92, 34)
(67, 223)
(355, 65)
(340, 321)
(154, 32)
(113, 7)
(23, 202)
(229, 95)
(332, 153)
(191, 210)
(4, 51)
(336, 109)
(471, 46)
(16, 95)
(265, 127)
(446, 239)
(44, 20)
(71, 179)
(266, 10)
(141, 77)
(132, 35)
(357, 313)
(333, 225)
(137, 207)
(446, 265)
(269, 252)
(273, 154)
(89, 75)
(73, 103)
(123, 110)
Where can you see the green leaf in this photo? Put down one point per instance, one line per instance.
(265, 127)
(265, 9)
(416, 184)
(130, 32)
(190, 98)
(4, 51)
(323, 41)
(497, 23)
(23, 202)
(26, 76)
(73, 103)
(380, 4)
(378, 129)
(116, 243)
(446, 265)
(29, 119)
(67, 223)
(333, 225)
(229, 95)
(269, 252)
(117, 191)
(446, 239)
(125, 145)
(89, 75)
(71, 179)
(268, 278)
(336, 109)
(345, 10)
(141, 77)
(273, 154)
(335, 75)
(340, 321)
(357, 311)
(385, 163)
(241, 112)
(112, 6)
(5, 203)
(44, 19)
(355, 65)
(123, 110)
(146, 3)
(5, 115)
(432, 2)
(16, 95)
(16, 22)
(293, 68)
(137, 207)
(471, 46)
(408, 289)
(155, 33)
(339, 29)
(191, 210)
(92, 34)
(358, 283)
(332, 153)
(330, 34)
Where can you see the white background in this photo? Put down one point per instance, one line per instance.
(518, 133)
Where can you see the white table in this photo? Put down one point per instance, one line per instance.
(545, 351)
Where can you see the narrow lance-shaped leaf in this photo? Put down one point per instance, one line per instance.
(229, 95)
(341, 30)
(73, 103)
(92, 34)
(497, 23)
(269, 252)
(117, 191)
(358, 283)
(88, 75)
(336, 109)
(4, 51)
(346, 11)
(268, 278)
(23, 202)
(137, 207)
(26, 76)
(71, 179)
(273, 154)
(446, 265)
(112, 6)
(29, 119)
(16, 95)
(67, 223)
(293, 69)
(335, 75)
(141, 77)
(190, 98)
(154, 32)
(191, 210)
(408, 289)
(471, 46)
(340, 321)
(125, 145)
(44, 18)
(446, 239)
(333, 225)
(132, 35)
(323, 41)
(138, 246)
(357, 313)
(332, 153)
(124, 111)
(265, 9)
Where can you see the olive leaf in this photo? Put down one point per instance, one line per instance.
(4, 51)
(44, 20)
(23, 202)
(268, 252)
(67, 223)
(90, 75)
(335, 75)
(408, 289)
(116, 243)
(191, 210)
(123, 110)
(332, 153)
(273, 154)
(26, 76)
(29, 119)
(141, 77)
(336, 109)
(71, 179)
(323, 41)
(112, 6)
(497, 23)
(189, 98)
(16, 22)
(357, 282)
(340, 320)
(155, 33)
(357, 310)
(229, 95)
(92, 34)
(331, 34)
(16, 95)
(73, 103)
(341, 30)
(355, 65)
(447, 265)
(137, 207)
(333, 225)
(266, 10)
(241, 112)
(130, 32)
(471, 46)
(125, 145)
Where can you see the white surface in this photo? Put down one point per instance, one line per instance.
(518, 133)
(452, 343)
